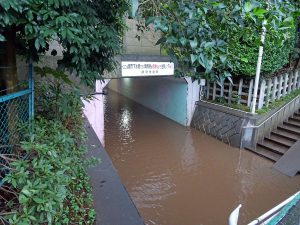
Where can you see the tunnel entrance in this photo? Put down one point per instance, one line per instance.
(165, 95)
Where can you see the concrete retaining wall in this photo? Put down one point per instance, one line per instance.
(144, 46)
(259, 126)
(221, 122)
(238, 128)
(131, 44)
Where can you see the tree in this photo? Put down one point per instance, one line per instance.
(297, 49)
(198, 35)
(89, 31)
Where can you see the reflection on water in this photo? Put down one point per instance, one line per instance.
(126, 127)
(190, 161)
(179, 176)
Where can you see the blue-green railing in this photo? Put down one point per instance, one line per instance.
(16, 110)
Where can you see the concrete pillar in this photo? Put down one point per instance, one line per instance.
(100, 85)
(193, 90)
(94, 110)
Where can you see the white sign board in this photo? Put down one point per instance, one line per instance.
(143, 69)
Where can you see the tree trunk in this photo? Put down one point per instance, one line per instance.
(297, 64)
(9, 82)
(8, 63)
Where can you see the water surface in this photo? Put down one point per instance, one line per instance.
(180, 176)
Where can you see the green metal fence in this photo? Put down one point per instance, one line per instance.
(16, 110)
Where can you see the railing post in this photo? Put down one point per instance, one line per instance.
(295, 80)
(262, 94)
(291, 77)
(298, 80)
(31, 88)
(214, 91)
(285, 84)
(222, 90)
(268, 99)
(240, 90)
(250, 93)
(279, 94)
(230, 93)
(208, 90)
(274, 88)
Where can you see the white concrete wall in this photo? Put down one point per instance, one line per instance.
(144, 46)
(54, 45)
(193, 95)
(131, 44)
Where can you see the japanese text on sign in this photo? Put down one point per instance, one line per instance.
(133, 69)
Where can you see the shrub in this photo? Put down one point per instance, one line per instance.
(221, 38)
(244, 53)
(48, 183)
(51, 183)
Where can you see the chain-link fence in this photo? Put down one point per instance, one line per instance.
(16, 109)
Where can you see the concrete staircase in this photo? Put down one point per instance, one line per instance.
(280, 140)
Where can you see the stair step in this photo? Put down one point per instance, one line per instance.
(276, 148)
(265, 153)
(285, 135)
(280, 140)
(293, 124)
(290, 129)
(295, 119)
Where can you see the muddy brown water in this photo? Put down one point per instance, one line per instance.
(180, 176)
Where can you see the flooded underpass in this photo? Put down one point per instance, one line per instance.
(180, 176)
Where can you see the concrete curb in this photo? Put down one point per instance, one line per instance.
(112, 202)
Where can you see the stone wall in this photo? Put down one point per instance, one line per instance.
(221, 122)
(238, 128)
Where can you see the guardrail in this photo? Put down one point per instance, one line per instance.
(276, 119)
(273, 216)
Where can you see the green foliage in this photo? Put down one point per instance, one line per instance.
(50, 186)
(57, 100)
(296, 53)
(243, 55)
(234, 105)
(89, 31)
(51, 177)
(203, 34)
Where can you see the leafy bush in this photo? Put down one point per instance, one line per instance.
(58, 99)
(51, 183)
(89, 32)
(215, 39)
(48, 183)
(244, 53)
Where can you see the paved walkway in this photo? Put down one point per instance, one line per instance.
(292, 217)
(111, 201)
(289, 163)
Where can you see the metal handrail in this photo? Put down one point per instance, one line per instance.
(282, 108)
(274, 210)
(233, 218)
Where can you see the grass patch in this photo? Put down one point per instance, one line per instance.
(280, 102)
(272, 105)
